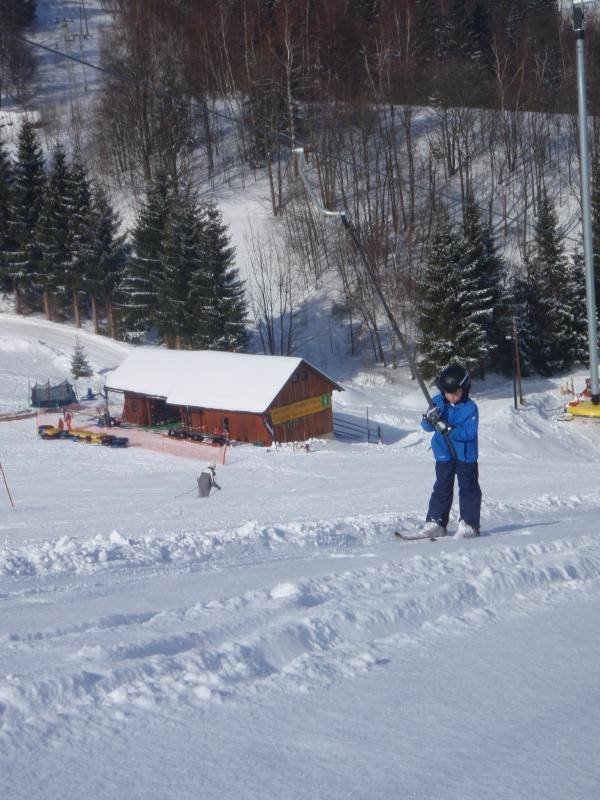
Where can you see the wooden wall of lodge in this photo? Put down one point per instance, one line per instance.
(244, 427)
(136, 409)
(303, 384)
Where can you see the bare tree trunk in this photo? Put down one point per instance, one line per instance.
(17, 296)
(407, 119)
(47, 305)
(112, 328)
(76, 311)
(208, 134)
(95, 315)
(271, 181)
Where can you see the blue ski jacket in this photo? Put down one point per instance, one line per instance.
(463, 420)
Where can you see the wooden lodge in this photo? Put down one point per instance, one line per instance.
(252, 398)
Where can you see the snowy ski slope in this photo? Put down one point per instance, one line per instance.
(276, 639)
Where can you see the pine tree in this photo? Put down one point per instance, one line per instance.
(456, 297)
(227, 311)
(108, 258)
(509, 15)
(29, 181)
(367, 10)
(473, 312)
(80, 367)
(481, 28)
(553, 317)
(28, 9)
(81, 235)
(53, 232)
(181, 312)
(19, 13)
(488, 297)
(143, 274)
(576, 278)
(438, 312)
(534, 5)
(460, 40)
(429, 33)
(7, 243)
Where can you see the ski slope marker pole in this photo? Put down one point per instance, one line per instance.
(6, 484)
(347, 222)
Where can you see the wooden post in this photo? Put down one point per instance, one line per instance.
(76, 312)
(107, 412)
(47, 305)
(518, 362)
(17, 296)
(95, 315)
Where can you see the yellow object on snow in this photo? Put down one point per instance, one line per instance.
(83, 435)
(583, 408)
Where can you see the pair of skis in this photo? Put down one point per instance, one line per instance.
(416, 537)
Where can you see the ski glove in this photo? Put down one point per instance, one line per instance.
(433, 415)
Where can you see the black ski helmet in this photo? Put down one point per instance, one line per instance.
(453, 378)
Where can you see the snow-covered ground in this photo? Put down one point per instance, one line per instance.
(33, 350)
(275, 639)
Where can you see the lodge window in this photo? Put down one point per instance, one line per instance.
(295, 377)
(304, 374)
(134, 406)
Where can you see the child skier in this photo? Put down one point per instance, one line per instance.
(455, 418)
(206, 480)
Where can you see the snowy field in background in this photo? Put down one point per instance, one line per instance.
(276, 640)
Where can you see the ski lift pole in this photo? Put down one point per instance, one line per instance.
(586, 214)
(6, 484)
(347, 222)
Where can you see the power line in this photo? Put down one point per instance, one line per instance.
(273, 136)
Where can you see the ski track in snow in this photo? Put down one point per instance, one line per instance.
(293, 636)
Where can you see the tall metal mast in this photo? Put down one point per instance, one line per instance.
(586, 204)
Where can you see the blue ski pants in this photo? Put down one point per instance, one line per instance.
(469, 492)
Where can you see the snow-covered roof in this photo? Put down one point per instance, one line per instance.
(206, 378)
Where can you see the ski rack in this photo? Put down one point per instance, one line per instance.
(348, 225)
